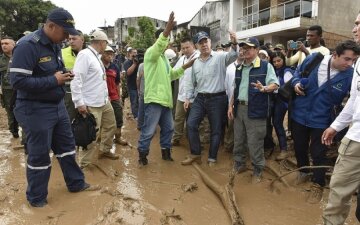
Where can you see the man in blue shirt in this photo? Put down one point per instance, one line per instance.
(131, 66)
(37, 73)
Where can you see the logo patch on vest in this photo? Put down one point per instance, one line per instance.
(45, 59)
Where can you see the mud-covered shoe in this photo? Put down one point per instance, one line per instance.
(256, 178)
(175, 142)
(302, 178)
(39, 204)
(190, 159)
(239, 167)
(142, 159)
(283, 155)
(316, 193)
(108, 155)
(211, 164)
(166, 154)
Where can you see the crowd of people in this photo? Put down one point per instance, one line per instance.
(234, 89)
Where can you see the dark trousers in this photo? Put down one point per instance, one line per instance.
(47, 126)
(118, 111)
(8, 105)
(279, 115)
(302, 136)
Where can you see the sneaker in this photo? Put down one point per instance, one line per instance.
(239, 168)
(87, 187)
(302, 178)
(211, 164)
(109, 155)
(283, 155)
(39, 204)
(316, 193)
(190, 159)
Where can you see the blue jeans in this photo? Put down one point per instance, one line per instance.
(156, 114)
(140, 121)
(215, 107)
(279, 115)
(134, 102)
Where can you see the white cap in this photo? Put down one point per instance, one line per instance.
(99, 35)
(109, 49)
(264, 52)
(169, 54)
(129, 49)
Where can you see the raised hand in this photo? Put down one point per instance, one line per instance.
(170, 24)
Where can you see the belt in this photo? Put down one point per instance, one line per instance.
(209, 95)
(243, 102)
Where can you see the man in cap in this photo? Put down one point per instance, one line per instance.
(249, 105)
(113, 82)
(37, 73)
(69, 54)
(90, 95)
(207, 87)
(280, 48)
(7, 92)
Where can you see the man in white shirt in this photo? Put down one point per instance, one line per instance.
(188, 49)
(90, 95)
(313, 37)
(346, 176)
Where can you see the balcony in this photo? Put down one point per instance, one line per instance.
(284, 11)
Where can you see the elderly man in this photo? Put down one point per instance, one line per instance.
(254, 79)
(346, 176)
(69, 54)
(208, 88)
(37, 73)
(90, 95)
(7, 92)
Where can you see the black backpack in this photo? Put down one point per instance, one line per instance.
(84, 129)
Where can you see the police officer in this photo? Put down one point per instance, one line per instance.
(37, 73)
(7, 45)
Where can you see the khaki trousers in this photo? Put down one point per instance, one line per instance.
(106, 125)
(344, 182)
(179, 123)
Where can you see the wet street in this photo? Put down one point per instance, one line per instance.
(151, 195)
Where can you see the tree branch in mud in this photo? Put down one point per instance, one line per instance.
(225, 193)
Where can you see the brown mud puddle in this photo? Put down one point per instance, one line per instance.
(153, 195)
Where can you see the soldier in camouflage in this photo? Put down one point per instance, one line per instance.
(7, 96)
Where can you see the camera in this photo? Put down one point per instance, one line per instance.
(293, 45)
(139, 58)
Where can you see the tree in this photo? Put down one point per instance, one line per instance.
(144, 36)
(17, 16)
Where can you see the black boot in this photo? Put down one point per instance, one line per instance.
(142, 158)
(166, 154)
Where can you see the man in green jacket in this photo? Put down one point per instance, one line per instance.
(158, 95)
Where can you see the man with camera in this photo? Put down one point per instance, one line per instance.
(326, 87)
(131, 66)
(90, 95)
(313, 37)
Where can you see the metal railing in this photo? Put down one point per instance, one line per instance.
(283, 11)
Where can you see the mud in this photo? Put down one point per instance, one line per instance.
(161, 193)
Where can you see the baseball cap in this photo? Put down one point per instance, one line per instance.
(279, 47)
(64, 19)
(252, 42)
(99, 35)
(264, 52)
(129, 49)
(199, 36)
(109, 49)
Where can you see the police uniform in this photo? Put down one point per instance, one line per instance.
(7, 95)
(41, 112)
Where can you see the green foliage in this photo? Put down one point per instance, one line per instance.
(17, 16)
(144, 36)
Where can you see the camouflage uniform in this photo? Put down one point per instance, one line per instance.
(7, 97)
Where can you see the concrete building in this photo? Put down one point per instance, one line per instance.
(109, 30)
(122, 25)
(277, 21)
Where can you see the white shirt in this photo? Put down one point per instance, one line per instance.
(186, 77)
(322, 72)
(89, 84)
(229, 79)
(299, 57)
(351, 111)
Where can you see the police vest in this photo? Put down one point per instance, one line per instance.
(68, 57)
(258, 102)
(4, 72)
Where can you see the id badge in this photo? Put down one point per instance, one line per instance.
(104, 76)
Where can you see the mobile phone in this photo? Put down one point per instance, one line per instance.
(293, 45)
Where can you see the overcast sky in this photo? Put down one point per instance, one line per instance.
(89, 15)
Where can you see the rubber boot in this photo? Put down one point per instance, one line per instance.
(118, 139)
(166, 154)
(142, 158)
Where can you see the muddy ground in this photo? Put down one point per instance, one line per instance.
(151, 195)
